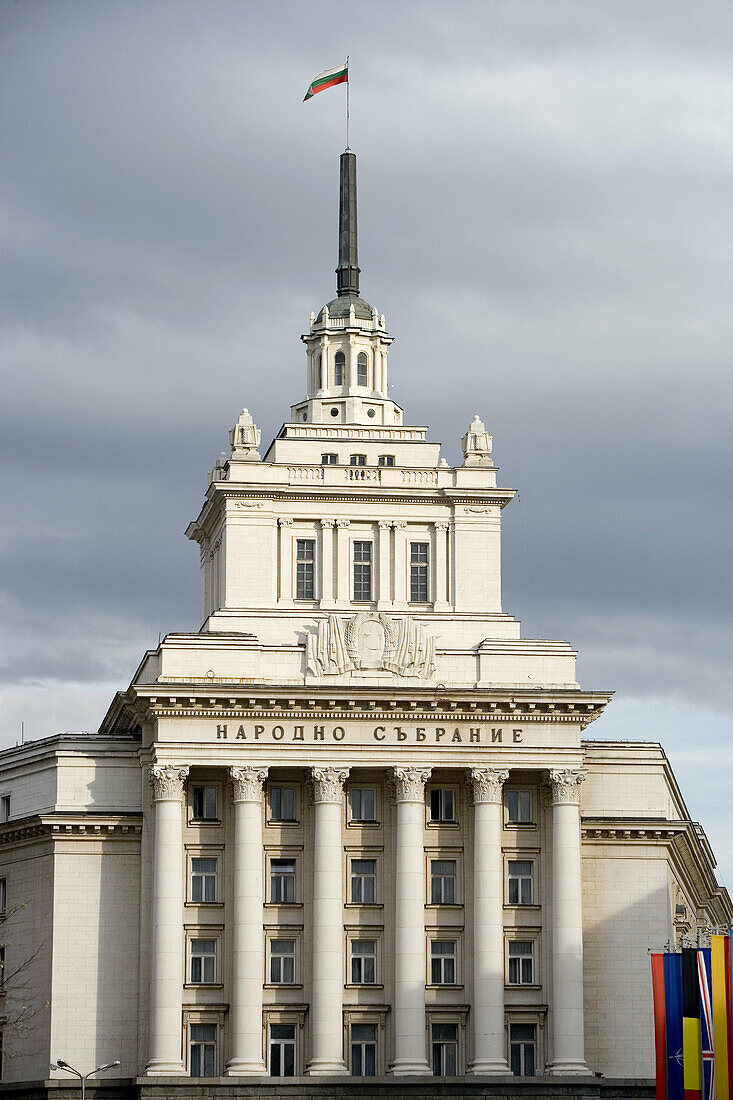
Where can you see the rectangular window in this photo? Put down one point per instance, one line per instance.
(442, 881)
(282, 962)
(357, 460)
(203, 880)
(445, 1050)
(203, 1050)
(5, 808)
(282, 881)
(282, 1050)
(363, 1050)
(523, 1049)
(386, 460)
(521, 962)
(329, 460)
(204, 803)
(362, 571)
(3, 895)
(282, 803)
(443, 962)
(305, 566)
(363, 802)
(520, 882)
(203, 962)
(442, 806)
(363, 881)
(363, 962)
(419, 558)
(519, 807)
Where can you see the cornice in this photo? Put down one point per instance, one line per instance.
(81, 824)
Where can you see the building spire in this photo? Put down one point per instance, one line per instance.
(347, 272)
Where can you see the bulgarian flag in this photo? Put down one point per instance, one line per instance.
(327, 80)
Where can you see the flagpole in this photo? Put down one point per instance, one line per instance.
(347, 103)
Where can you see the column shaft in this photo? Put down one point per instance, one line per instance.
(167, 923)
(400, 565)
(327, 593)
(327, 1042)
(567, 927)
(286, 561)
(409, 981)
(440, 597)
(247, 925)
(489, 1055)
(342, 580)
(384, 595)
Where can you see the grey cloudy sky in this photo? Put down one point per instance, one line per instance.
(545, 210)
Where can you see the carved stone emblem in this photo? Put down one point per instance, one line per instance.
(409, 783)
(247, 783)
(565, 784)
(328, 783)
(167, 781)
(370, 641)
(487, 784)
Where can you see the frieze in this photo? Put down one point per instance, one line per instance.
(365, 733)
(487, 783)
(247, 783)
(167, 781)
(370, 642)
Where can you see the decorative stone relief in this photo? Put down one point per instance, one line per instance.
(245, 438)
(370, 641)
(167, 781)
(285, 521)
(564, 785)
(487, 784)
(409, 783)
(328, 783)
(247, 783)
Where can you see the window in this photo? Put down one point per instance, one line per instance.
(361, 369)
(522, 1049)
(2, 967)
(305, 565)
(318, 372)
(520, 882)
(363, 1050)
(282, 1050)
(282, 803)
(445, 1050)
(521, 962)
(442, 881)
(338, 369)
(443, 962)
(5, 808)
(205, 804)
(363, 881)
(3, 894)
(386, 460)
(329, 460)
(282, 881)
(363, 962)
(357, 460)
(419, 572)
(362, 571)
(203, 1050)
(442, 805)
(519, 807)
(203, 880)
(282, 962)
(203, 962)
(363, 801)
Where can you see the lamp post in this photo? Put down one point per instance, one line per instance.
(61, 1064)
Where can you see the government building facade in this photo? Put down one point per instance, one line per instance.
(353, 829)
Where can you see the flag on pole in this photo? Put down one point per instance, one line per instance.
(721, 996)
(673, 1025)
(705, 978)
(691, 1028)
(327, 80)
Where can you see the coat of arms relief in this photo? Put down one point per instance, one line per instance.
(370, 642)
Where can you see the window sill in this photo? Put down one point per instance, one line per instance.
(274, 823)
(283, 904)
(363, 905)
(515, 985)
(204, 904)
(517, 905)
(444, 905)
(363, 985)
(363, 824)
(443, 985)
(282, 985)
(520, 825)
(204, 821)
(442, 824)
(203, 985)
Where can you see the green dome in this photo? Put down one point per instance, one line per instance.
(339, 307)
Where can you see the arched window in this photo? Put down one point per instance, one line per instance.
(317, 379)
(338, 369)
(361, 369)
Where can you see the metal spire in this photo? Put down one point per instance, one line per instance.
(347, 272)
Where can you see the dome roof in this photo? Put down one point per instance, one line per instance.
(339, 307)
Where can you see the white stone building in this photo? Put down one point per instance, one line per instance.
(352, 826)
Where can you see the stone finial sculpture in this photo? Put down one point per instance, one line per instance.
(245, 438)
(476, 444)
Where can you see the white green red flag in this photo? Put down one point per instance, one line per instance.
(327, 80)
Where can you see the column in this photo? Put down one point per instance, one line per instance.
(384, 601)
(327, 1031)
(488, 923)
(400, 565)
(567, 925)
(284, 524)
(246, 925)
(167, 925)
(342, 553)
(440, 602)
(410, 963)
(327, 595)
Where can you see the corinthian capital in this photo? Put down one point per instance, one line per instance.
(409, 783)
(167, 781)
(487, 783)
(565, 784)
(328, 783)
(247, 783)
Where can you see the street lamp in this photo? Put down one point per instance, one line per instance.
(61, 1064)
